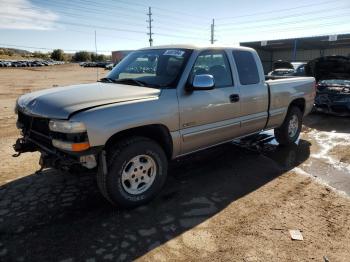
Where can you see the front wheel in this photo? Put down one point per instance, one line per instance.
(289, 131)
(137, 170)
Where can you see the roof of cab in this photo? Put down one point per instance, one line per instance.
(196, 47)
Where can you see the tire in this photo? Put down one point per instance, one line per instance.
(135, 159)
(289, 131)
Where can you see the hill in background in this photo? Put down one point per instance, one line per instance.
(14, 53)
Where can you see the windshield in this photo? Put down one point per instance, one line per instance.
(335, 82)
(159, 68)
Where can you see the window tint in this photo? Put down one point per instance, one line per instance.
(246, 67)
(214, 63)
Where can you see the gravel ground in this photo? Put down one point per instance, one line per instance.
(228, 203)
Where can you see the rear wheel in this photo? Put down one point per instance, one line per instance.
(289, 131)
(137, 170)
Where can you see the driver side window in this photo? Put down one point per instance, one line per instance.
(215, 63)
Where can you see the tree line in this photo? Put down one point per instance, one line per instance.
(57, 54)
(80, 56)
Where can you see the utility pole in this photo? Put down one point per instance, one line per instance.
(212, 28)
(150, 20)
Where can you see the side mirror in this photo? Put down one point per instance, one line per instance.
(203, 82)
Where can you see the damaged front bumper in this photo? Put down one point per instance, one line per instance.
(53, 158)
(334, 104)
(37, 136)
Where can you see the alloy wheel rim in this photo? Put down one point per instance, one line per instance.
(293, 126)
(139, 174)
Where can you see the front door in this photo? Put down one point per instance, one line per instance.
(209, 117)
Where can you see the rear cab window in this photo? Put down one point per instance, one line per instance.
(246, 67)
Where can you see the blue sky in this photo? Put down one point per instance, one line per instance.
(121, 24)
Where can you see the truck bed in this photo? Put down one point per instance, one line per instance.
(283, 91)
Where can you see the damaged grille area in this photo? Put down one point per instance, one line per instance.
(36, 129)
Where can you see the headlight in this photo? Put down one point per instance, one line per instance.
(69, 127)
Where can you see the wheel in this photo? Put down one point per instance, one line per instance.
(136, 172)
(289, 131)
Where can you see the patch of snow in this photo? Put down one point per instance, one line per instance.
(327, 141)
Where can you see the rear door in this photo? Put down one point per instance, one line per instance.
(253, 91)
(208, 117)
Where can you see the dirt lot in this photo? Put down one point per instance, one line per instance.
(229, 203)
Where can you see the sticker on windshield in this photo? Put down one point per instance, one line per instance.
(174, 52)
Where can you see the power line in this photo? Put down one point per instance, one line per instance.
(327, 10)
(283, 23)
(79, 16)
(104, 35)
(181, 13)
(127, 17)
(102, 27)
(277, 10)
(297, 28)
(77, 24)
(104, 12)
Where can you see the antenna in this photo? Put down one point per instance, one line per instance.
(212, 28)
(97, 76)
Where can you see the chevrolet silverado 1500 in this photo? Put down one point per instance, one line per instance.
(157, 104)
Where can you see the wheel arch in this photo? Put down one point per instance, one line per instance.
(299, 103)
(157, 132)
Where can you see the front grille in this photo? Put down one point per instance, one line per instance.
(25, 120)
(36, 129)
(40, 125)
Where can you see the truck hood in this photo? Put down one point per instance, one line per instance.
(60, 103)
(329, 67)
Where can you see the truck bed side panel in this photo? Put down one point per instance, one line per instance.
(283, 92)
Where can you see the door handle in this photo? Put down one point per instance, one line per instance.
(234, 98)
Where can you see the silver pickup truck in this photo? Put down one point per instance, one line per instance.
(158, 104)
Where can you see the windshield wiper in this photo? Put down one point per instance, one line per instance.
(130, 80)
(106, 80)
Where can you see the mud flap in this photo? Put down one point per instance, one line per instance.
(102, 174)
(102, 167)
